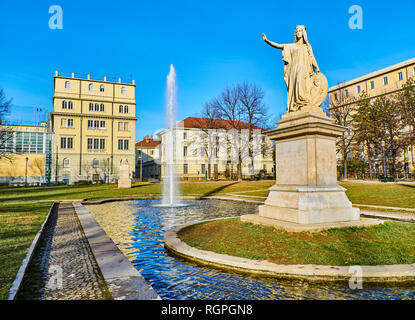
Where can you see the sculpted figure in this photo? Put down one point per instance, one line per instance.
(307, 87)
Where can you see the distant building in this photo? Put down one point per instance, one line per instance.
(94, 126)
(147, 159)
(209, 149)
(383, 82)
(28, 151)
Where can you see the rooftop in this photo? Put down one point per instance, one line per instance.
(205, 123)
(87, 76)
(148, 142)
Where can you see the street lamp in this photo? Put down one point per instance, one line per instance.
(384, 158)
(25, 179)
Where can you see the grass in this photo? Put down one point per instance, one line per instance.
(391, 243)
(19, 223)
(389, 195)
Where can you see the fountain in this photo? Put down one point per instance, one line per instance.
(170, 188)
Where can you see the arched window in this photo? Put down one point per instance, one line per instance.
(102, 88)
(91, 107)
(67, 84)
(123, 90)
(95, 163)
(121, 109)
(102, 107)
(96, 106)
(125, 109)
(64, 105)
(70, 105)
(91, 87)
(66, 163)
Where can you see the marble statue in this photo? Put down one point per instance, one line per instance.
(307, 87)
(124, 181)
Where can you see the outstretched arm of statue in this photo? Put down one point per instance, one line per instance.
(272, 44)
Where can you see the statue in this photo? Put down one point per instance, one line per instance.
(307, 87)
(124, 181)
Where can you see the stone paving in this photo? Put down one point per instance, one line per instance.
(63, 250)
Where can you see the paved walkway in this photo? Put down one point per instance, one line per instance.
(63, 249)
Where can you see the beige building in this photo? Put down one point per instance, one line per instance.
(27, 154)
(386, 81)
(94, 126)
(201, 149)
(147, 158)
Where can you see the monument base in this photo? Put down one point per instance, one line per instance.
(124, 183)
(308, 204)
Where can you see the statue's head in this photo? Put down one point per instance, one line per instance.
(300, 32)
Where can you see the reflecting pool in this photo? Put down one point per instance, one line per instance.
(174, 278)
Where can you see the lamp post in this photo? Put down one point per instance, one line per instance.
(25, 179)
(384, 158)
(141, 165)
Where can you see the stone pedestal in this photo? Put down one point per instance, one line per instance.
(124, 181)
(306, 190)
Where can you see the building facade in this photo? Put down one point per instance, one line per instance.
(206, 152)
(384, 82)
(148, 159)
(94, 126)
(27, 154)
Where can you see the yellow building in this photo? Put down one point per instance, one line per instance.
(94, 126)
(26, 154)
(386, 81)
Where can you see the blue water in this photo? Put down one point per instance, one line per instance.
(174, 278)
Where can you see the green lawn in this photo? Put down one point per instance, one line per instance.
(389, 195)
(391, 243)
(19, 223)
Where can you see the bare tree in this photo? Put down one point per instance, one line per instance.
(5, 132)
(341, 111)
(38, 165)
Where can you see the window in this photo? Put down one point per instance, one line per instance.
(67, 84)
(346, 92)
(125, 109)
(102, 88)
(358, 89)
(123, 90)
(66, 143)
(123, 144)
(66, 163)
(335, 96)
(265, 167)
(96, 106)
(185, 169)
(102, 107)
(70, 105)
(91, 87)
(203, 168)
(96, 124)
(385, 81)
(95, 163)
(400, 76)
(102, 144)
(91, 107)
(122, 126)
(64, 105)
(372, 84)
(185, 151)
(121, 109)
(66, 123)
(184, 135)
(215, 168)
(413, 71)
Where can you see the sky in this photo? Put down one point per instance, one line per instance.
(212, 44)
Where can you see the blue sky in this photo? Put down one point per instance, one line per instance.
(212, 44)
